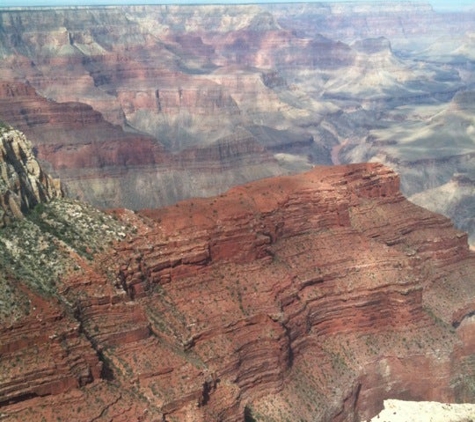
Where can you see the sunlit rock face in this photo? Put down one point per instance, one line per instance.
(23, 183)
(124, 102)
(309, 297)
(399, 410)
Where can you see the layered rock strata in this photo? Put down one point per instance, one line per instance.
(43, 350)
(107, 166)
(131, 105)
(311, 297)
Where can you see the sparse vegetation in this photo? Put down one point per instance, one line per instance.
(4, 127)
(37, 249)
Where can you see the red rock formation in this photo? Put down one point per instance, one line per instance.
(89, 141)
(312, 297)
(44, 353)
(282, 49)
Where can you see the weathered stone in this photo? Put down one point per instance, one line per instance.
(23, 183)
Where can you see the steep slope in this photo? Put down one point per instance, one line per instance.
(455, 199)
(432, 147)
(314, 296)
(43, 350)
(107, 166)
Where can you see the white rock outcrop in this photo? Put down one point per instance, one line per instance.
(23, 184)
(425, 411)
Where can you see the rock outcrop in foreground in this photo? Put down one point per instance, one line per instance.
(401, 411)
(23, 184)
(307, 297)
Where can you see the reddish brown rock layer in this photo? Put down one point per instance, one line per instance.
(44, 353)
(90, 142)
(310, 297)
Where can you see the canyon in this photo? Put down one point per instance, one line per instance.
(228, 213)
(313, 296)
(143, 106)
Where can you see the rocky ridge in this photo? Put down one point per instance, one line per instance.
(43, 350)
(325, 292)
(23, 183)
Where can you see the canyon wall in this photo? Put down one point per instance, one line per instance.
(142, 106)
(311, 297)
(102, 164)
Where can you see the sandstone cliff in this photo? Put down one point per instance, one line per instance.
(310, 297)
